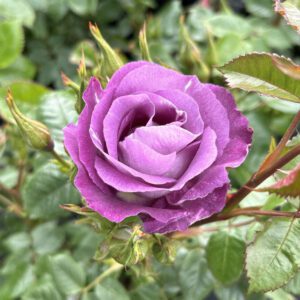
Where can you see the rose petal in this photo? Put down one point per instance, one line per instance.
(108, 205)
(184, 102)
(142, 158)
(240, 133)
(121, 107)
(195, 211)
(87, 150)
(150, 78)
(164, 139)
(212, 111)
(107, 98)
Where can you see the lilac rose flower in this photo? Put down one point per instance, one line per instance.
(157, 144)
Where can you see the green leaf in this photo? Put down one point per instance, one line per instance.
(194, 276)
(68, 275)
(17, 10)
(293, 285)
(21, 69)
(46, 189)
(223, 24)
(290, 10)
(146, 291)
(18, 241)
(11, 41)
(274, 257)
(225, 257)
(44, 290)
(27, 96)
(57, 111)
(289, 186)
(111, 289)
(259, 73)
(47, 238)
(260, 8)
(83, 7)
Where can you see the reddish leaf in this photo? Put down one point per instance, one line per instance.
(288, 186)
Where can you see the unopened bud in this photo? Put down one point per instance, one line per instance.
(82, 67)
(190, 55)
(69, 82)
(79, 105)
(145, 53)
(35, 133)
(112, 61)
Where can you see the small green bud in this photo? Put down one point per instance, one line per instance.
(35, 133)
(112, 61)
(79, 105)
(69, 83)
(190, 54)
(164, 250)
(145, 53)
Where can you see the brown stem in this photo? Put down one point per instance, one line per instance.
(13, 207)
(8, 192)
(194, 231)
(276, 153)
(257, 179)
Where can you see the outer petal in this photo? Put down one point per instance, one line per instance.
(109, 206)
(212, 111)
(196, 210)
(240, 133)
(87, 150)
(150, 78)
(106, 100)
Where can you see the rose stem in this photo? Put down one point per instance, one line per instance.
(194, 231)
(13, 207)
(260, 177)
(276, 153)
(114, 268)
(59, 158)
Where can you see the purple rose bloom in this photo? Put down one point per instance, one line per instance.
(156, 143)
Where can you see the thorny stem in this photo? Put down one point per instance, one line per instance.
(114, 268)
(257, 179)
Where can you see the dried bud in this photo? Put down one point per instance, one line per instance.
(144, 44)
(164, 250)
(112, 61)
(35, 133)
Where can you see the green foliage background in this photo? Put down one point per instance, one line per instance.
(45, 254)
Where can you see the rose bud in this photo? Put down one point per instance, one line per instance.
(164, 138)
(190, 55)
(35, 133)
(112, 61)
(145, 53)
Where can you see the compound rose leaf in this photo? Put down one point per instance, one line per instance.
(274, 257)
(268, 74)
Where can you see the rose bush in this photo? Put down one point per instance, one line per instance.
(157, 144)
